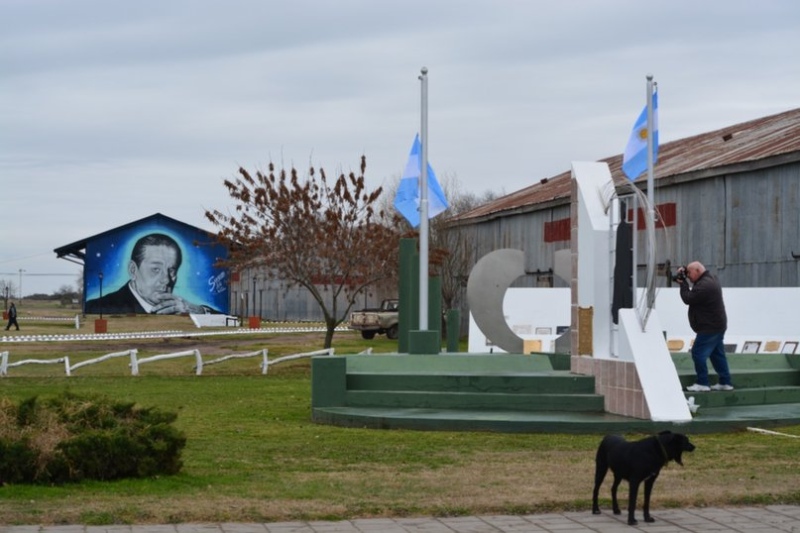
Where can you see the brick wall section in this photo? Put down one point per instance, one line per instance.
(618, 383)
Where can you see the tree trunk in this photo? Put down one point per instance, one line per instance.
(330, 327)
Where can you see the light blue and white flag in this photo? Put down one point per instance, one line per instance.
(634, 161)
(407, 199)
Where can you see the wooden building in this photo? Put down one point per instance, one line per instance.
(729, 198)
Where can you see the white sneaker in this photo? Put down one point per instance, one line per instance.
(720, 386)
(699, 388)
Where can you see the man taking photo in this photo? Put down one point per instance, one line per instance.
(709, 321)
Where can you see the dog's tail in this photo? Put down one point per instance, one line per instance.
(601, 468)
(601, 463)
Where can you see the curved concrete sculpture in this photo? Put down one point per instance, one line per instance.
(486, 288)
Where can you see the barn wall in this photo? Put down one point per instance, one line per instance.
(745, 227)
(524, 232)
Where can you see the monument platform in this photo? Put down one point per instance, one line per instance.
(534, 393)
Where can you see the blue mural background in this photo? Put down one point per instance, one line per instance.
(199, 281)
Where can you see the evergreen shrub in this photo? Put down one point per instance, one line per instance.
(74, 437)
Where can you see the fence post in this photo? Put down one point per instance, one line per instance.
(3, 363)
(199, 361)
(264, 361)
(134, 363)
(66, 366)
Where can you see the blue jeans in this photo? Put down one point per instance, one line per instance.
(710, 345)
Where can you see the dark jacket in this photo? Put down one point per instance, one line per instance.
(121, 301)
(706, 308)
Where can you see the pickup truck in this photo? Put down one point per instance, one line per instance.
(377, 321)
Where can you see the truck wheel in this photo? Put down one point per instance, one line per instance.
(391, 333)
(368, 335)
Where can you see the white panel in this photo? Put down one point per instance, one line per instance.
(594, 265)
(657, 373)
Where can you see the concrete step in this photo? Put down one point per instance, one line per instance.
(751, 396)
(707, 420)
(475, 401)
(519, 383)
(742, 361)
(752, 378)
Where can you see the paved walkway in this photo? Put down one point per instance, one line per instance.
(773, 518)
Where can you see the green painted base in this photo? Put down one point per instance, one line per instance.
(424, 342)
(532, 393)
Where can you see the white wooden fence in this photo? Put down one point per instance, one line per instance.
(5, 365)
(328, 351)
(136, 361)
(130, 353)
(77, 319)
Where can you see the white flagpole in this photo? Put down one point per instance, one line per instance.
(651, 213)
(423, 207)
(650, 130)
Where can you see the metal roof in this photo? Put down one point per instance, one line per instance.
(765, 141)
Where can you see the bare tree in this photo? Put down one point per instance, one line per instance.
(66, 294)
(79, 286)
(327, 238)
(455, 251)
(8, 290)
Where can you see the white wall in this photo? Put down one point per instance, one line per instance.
(528, 311)
(754, 315)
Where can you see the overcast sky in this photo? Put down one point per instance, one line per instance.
(112, 110)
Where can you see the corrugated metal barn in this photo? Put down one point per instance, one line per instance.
(728, 198)
(253, 293)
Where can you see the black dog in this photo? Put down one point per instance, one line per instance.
(636, 462)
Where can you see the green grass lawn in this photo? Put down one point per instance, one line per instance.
(253, 454)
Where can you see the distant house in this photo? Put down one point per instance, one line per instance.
(190, 272)
(729, 198)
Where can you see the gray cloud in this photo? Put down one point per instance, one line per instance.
(113, 111)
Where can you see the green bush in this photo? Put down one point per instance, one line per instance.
(71, 438)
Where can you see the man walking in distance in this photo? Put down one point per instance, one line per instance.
(709, 321)
(12, 317)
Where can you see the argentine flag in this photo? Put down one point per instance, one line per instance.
(407, 199)
(634, 161)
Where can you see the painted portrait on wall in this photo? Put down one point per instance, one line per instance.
(155, 266)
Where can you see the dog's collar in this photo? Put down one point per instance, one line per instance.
(663, 451)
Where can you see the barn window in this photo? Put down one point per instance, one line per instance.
(557, 230)
(666, 216)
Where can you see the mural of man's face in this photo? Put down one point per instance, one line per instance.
(157, 274)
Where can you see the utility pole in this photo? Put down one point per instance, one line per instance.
(21, 270)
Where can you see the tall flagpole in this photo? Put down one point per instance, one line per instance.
(650, 130)
(651, 213)
(423, 207)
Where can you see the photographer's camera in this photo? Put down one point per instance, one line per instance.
(680, 275)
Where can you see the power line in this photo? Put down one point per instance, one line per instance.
(26, 274)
